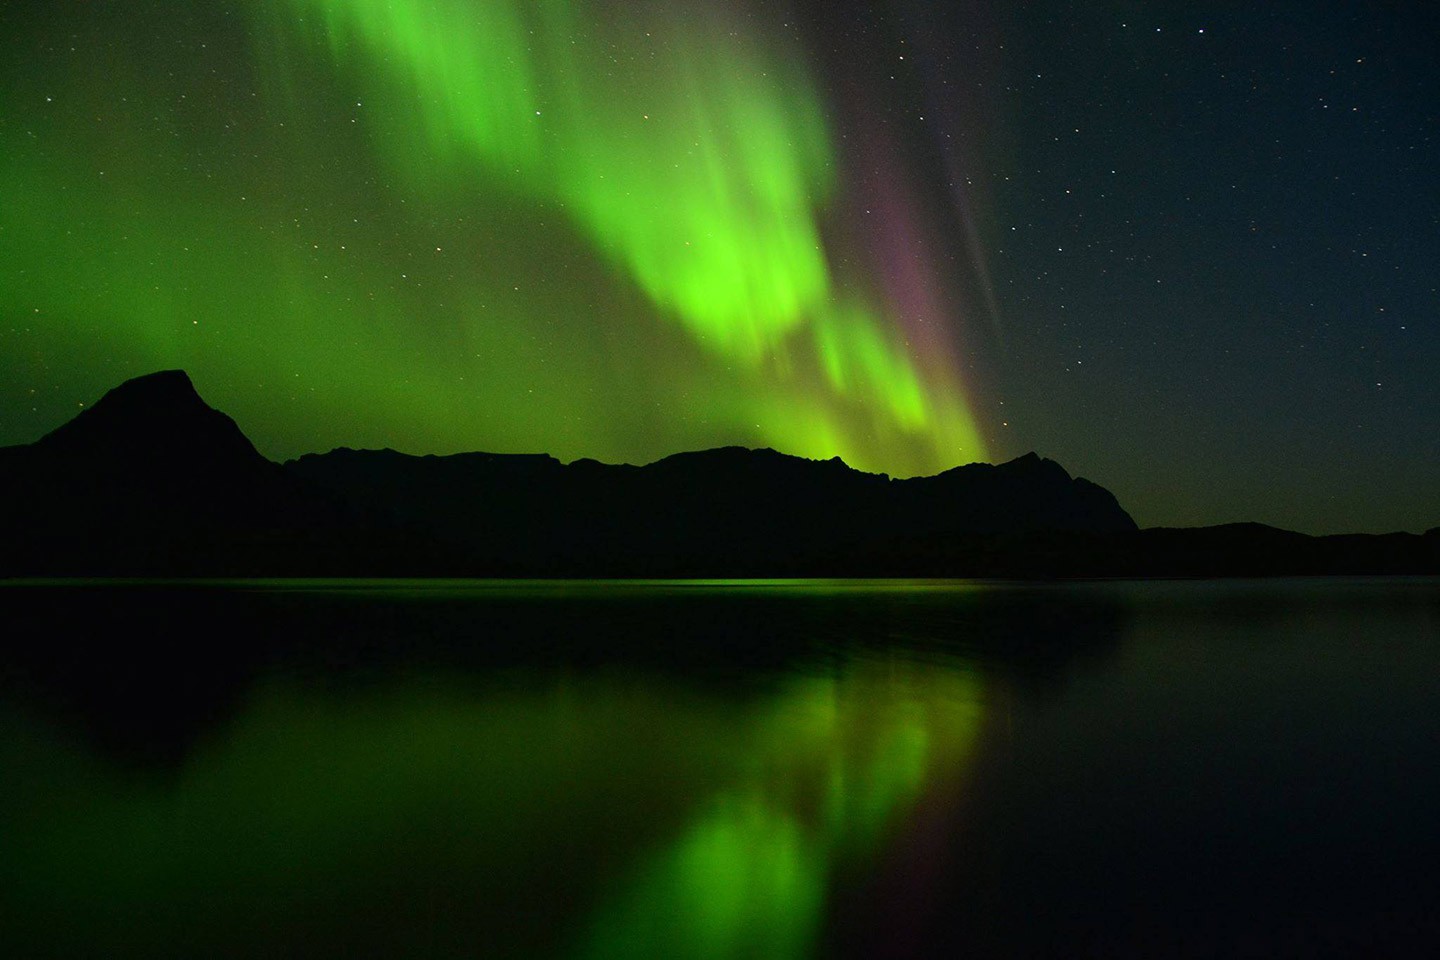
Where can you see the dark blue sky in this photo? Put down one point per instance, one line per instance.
(1213, 233)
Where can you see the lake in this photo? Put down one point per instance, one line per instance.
(712, 769)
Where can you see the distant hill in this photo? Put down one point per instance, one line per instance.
(725, 511)
(152, 481)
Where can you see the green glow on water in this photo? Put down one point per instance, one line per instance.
(840, 761)
(593, 818)
(739, 883)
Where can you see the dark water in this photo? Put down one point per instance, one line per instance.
(720, 770)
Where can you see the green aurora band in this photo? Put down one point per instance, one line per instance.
(589, 228)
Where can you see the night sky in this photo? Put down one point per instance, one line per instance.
(1193, 254)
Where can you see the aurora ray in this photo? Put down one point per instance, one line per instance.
(581, 227)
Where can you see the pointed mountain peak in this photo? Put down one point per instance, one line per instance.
(157, 416)
(170, 383)
(1032, 462)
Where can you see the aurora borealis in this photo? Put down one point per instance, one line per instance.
(591, 229)
(1188, 255)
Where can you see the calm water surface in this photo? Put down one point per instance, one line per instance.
(794, 769)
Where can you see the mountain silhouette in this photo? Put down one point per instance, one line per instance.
(725, 510)
(153, 481)
(157, 422)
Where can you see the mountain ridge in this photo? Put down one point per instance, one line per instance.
(151, 480)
